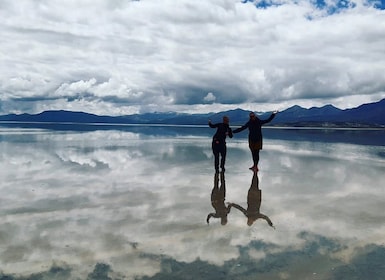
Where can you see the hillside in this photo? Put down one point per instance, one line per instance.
(366, 115)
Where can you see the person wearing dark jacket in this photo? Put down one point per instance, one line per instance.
(255, 135)
(219, 142)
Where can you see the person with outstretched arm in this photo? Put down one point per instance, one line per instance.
(218, 144)
(255, 135)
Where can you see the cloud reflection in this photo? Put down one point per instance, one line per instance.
(78, 205)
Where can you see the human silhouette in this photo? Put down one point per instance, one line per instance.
(255, 135)
(219, 142)
(218, 196)
(254, 197)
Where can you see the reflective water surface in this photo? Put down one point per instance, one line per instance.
(145, 203)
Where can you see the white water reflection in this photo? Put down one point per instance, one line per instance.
(124, 204)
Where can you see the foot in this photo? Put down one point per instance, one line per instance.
(254, 168)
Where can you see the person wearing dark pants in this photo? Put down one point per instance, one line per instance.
(219, 142)
(255, 135)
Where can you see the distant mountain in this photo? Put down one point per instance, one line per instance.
(366, 115)
(372, 114)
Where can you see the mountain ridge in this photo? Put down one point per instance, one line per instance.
(365, 115)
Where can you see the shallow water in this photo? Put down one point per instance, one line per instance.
(132, 203)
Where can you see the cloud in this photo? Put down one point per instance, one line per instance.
(210, 97)
(132, 56)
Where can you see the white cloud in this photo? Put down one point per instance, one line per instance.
(137, 55)
(210, 97)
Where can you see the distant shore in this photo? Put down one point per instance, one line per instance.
(300, 125)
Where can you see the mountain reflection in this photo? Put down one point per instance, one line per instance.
(218, 197)
(254, 198)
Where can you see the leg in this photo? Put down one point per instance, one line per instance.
(216, 160)
(255, 148)
(255, 154)
(223, 157)
(216, 156)
(251, 147)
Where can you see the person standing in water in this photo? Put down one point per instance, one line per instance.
(255, 135)
(219, 142)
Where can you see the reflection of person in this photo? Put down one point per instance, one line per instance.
(219, 141)
(218, 196)
(254, 197)
(255, 135)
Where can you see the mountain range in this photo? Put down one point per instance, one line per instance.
(366, 115)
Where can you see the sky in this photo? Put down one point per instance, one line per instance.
(124, 57)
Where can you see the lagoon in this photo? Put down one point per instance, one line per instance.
(92, 202)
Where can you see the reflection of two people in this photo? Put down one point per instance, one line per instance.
(254, 198)
(218, 196)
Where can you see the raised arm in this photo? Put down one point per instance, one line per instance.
(212, 125)
(270, 118)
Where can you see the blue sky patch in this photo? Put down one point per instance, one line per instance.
(335, 7)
